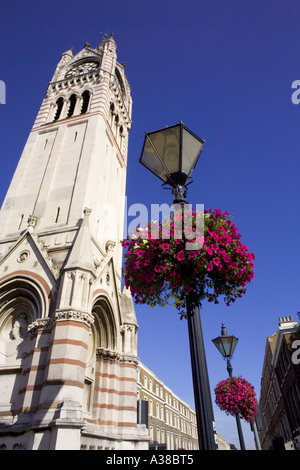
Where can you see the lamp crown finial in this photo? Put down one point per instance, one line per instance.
(223, 330)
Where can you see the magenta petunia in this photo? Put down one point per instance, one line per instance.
(209, 250)
(158, 268)
(210, 267)
(180, 256)
(236, 395)
(165, 246)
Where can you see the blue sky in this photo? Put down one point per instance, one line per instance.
(225, 68)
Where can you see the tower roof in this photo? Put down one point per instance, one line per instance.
(81, 255)
(127, 307)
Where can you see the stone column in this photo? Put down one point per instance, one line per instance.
(61, 397)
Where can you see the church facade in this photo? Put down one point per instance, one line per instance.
(68, 333)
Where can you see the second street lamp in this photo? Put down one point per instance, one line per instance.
(171, 154)
(226, 344)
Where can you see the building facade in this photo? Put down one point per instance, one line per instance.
(68, 333)
(171, 422)
(279, 403)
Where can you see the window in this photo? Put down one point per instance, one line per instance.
(59, 105)
(85, 101)
(72, 105)
(87, 394)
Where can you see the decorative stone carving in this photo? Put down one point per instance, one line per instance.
(129, 328)
(23, 256)
(14, 332)
(87, 211)
(19, 329)
(84, 317)
(110, 245)
(40, 323)
(32, 222)
(116, 356)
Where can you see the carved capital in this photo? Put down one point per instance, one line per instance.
(128, 327)
(32, 222)
(110, 245)
(102, 353)
(38, 324)
(84, 317)
(87, 211)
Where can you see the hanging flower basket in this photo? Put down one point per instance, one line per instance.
(173, 258)
(237, 396)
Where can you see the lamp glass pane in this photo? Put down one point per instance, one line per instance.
(161, 152)
(150, 160)
(191, 149)
(167, 144)
(226, 345)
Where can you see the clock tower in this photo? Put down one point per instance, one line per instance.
(68, 332)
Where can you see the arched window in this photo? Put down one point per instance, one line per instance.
(104, 325)
(21, 303)
(59, 105)
(72, 105)
(103, 337)
(85, 101)
(120, 82)
(112, 114)
(117, 125)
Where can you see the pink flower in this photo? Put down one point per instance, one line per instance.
(165, 246)
(222, 268)
(237, 396)
(209, 266)
(209, 250)
(140, 252)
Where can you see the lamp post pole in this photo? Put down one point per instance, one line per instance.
(226, 344)
(171, 154)
(202, 395)
(237, 416)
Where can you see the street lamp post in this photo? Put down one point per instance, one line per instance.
(171, 154)
(226, 345)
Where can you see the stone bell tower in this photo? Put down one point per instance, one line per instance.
(68, 334)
